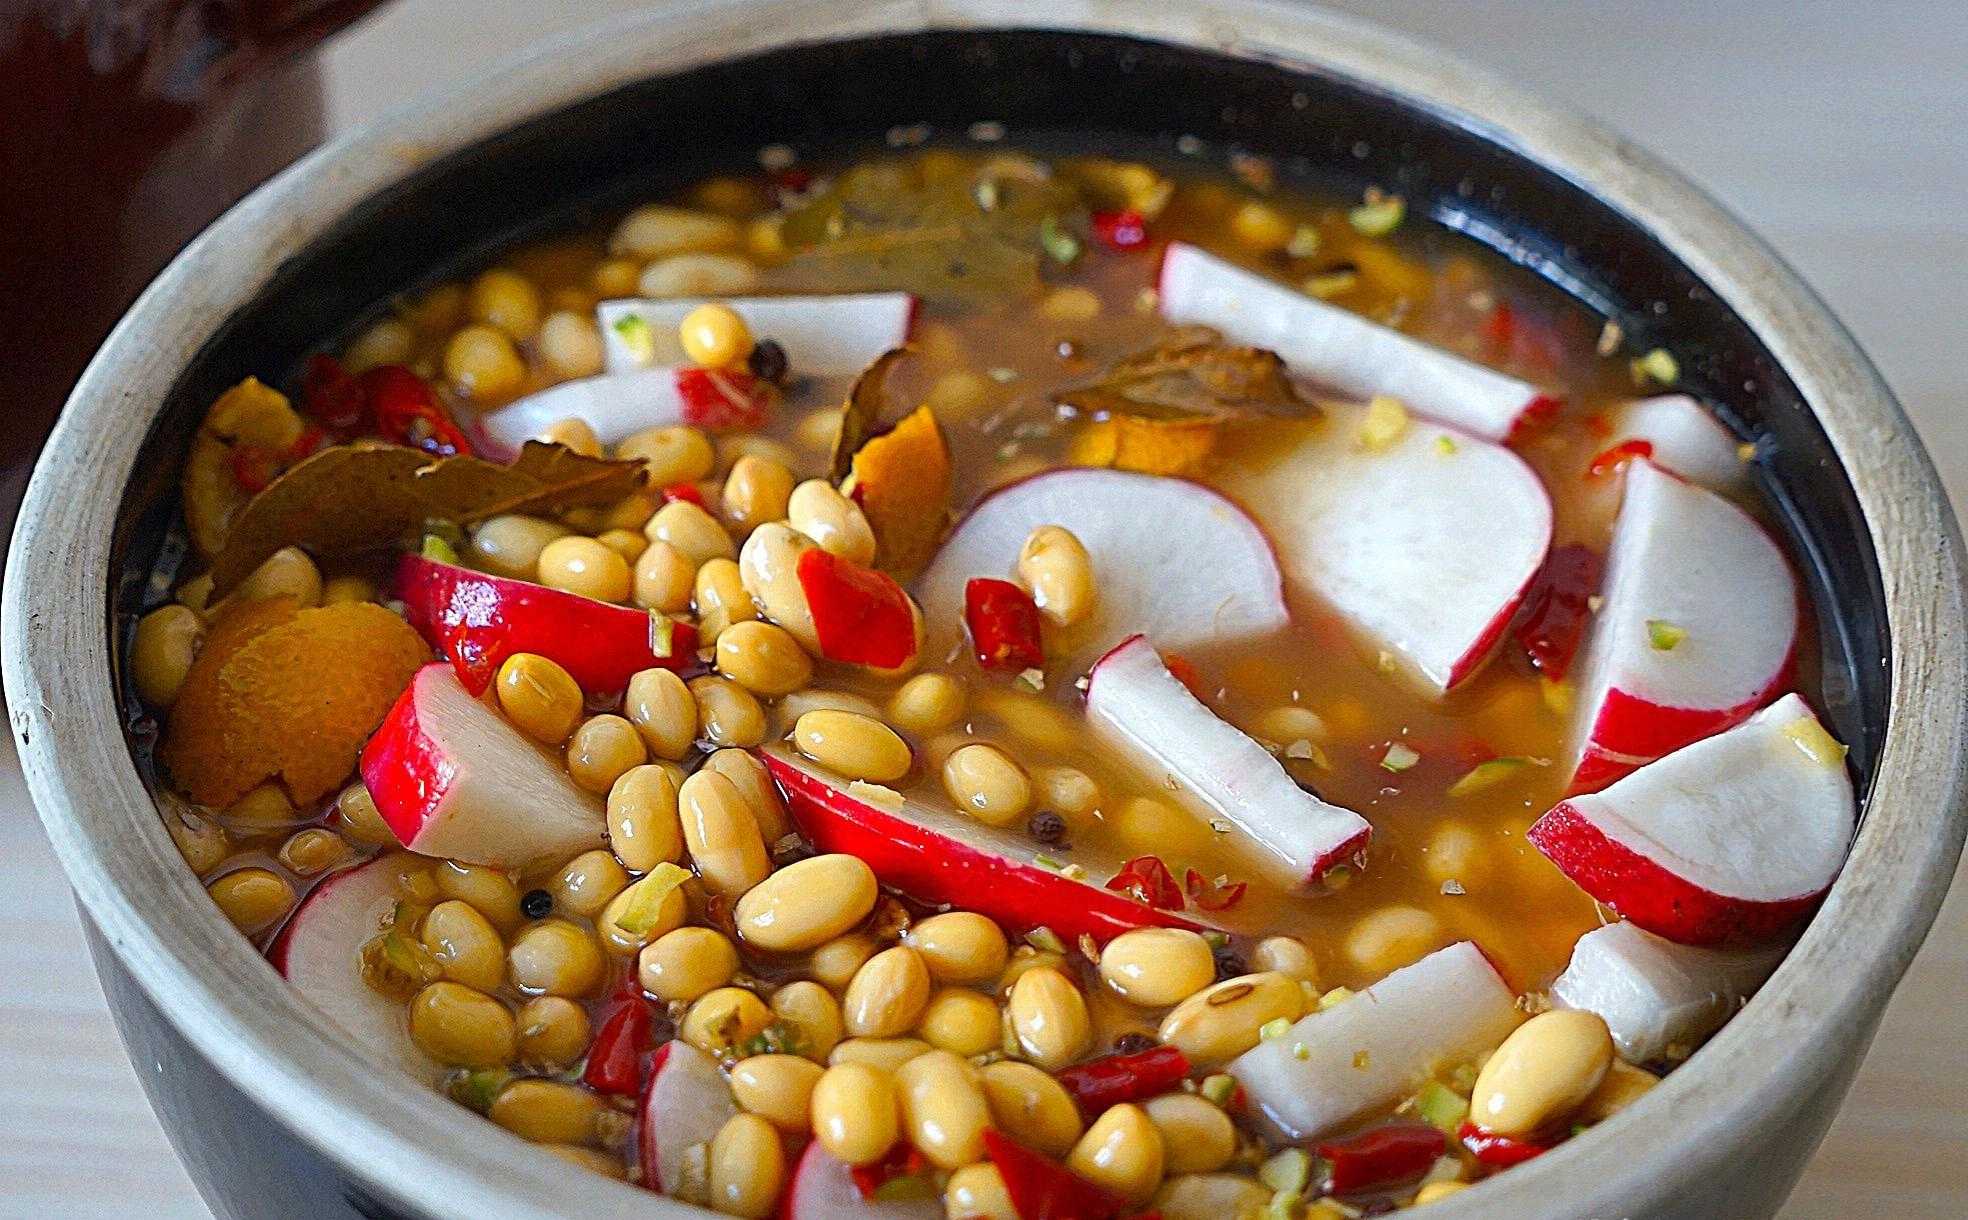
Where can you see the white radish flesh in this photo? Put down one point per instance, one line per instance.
(1340, 350)
(1659, 998)
(686, 1103)
(1137, 706)
(1682, 436)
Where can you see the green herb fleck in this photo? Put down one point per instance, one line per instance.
(1060, 246)
(1399, 758)
(1658, 366)
(1664, 635)
(637, 337)
(1379, 215)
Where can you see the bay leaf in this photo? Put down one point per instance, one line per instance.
(1193, 381)
(352, 499)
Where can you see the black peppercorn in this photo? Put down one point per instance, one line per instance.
(1047, 827)
(1229, 963)
(536, 904)
(768, 361)
(1133, 1044)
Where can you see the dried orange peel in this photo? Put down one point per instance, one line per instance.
(901, 479)
(1150, 446)
(281, 693)
(250, 413)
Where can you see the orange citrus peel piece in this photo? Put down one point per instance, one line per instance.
(901, 479)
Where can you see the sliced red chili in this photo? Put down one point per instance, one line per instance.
(332, 395)
(723, 400)
(1124, 229)
(1147, 880)
(1109, 1081)
(1619, 455)
(901, 1161)
(861, 616)
(1385, 1156)
(1558, 608)
(1185, 672)
(1210, 895)
(407, 412)
(683, 491)
(253, 467)
(1042, 1190)
(615, 1059)
(1499, 328)
(1004, 625)
(1501, 1151)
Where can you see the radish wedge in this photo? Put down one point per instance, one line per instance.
(319, 954)
(452, 778)
(1730, 839)
(1696, 630)
(824, 336)
(1654, 994)
(1682, 437)
(618, 405)
(1141, 709)
(823, 1188)
(1368, 1050)
(1171, 558)
(687, 1101)
(478, 621)
(1426, 544)
(938, 855)
(1340, 350)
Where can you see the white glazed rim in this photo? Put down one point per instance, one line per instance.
(427, 1156)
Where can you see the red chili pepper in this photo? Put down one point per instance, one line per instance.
(1383, 1157)
(723, 400)
(1146, 879)
(1004, 625)
(407, 412)
(1500, 328)
(253, 467)
(1619, 455)
(1558, 607)
(861, 616)
(615, 1059)
(1208, 895)
(331, 395)
(683, 491)
(1502, 1151)
(1117, 1078)
(901, 1161)
(789, 181)
(1125, 229)
(1185, 672)
(1042, 1190)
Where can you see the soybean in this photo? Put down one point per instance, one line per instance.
(852, 745)
(722, 835)
(1157, 967)
(855, 1113)
(806, 904)
(686, 964)
(943, 1109)
(1049, 1018)
(748, 1167)
(1219, 1023)
(1544, 1070)
(887, 995)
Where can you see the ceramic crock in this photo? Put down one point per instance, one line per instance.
(275, 1116)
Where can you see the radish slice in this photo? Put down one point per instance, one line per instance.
(1170, 558)
(937, 855)
(618, 405)
(1732, 838)
(478, 621)
(1683, 437)
(823, 1188)
(1339, 349)
(824, 336)
(452, 778)
(1137, 706)
(686, 1103)
(1427, 546)
(319, 953)
(1655, 994)
(1368, 1050)
(1696, 630)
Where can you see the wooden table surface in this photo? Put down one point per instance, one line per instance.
(1836, 130)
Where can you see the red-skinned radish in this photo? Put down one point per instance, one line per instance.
(937, 855)
(823, 1188)
(1696, 628)
(1731, 839)
(479, 620)
(1682, 437)
(1654, 994)
(618, 405)
(1135, 705)
(1367, 1050)
(823, 336)
(319, 954)
(686, 1103)
(1424, 541)
(452, 778)
(1340, 350)
(1171, 558)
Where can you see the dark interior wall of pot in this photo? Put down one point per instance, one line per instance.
(1092, 92)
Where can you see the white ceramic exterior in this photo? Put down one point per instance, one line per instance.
(1723, 1137)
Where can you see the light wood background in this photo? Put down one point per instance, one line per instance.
(1840, 131)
